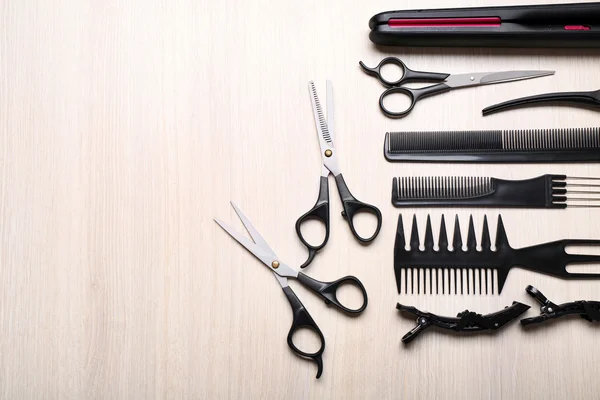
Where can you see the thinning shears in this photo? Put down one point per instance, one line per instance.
(447, 82)
(320, 211)
(326, 290)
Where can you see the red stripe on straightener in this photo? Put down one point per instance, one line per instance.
(445, 22)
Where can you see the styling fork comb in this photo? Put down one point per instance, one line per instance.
(474, 271)
(545, 191)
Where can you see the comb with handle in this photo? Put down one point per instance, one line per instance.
(545, 191)
(537, 145)
(474, 271)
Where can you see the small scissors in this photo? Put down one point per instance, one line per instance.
(326, 290)
(320, 210)
(448, 82)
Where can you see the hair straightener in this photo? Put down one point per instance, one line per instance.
(548, 25)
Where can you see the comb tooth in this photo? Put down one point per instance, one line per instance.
(412, 281)
(471, 240)
(501, 238)
(399, 280)
(480, 280)
(443, 239)
(418, 280)
(455, 282)
(400, 242)
(457, 239)
(414, 235)
(487, 279)
(502, 274)
(443, 271)
(395, 190)
(467, 272)
(492, 279)
(486, 242)
(431, 281)
(428, 234)
(406, 281)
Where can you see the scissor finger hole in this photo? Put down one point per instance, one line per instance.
(313, 231)
(350, 296)
(391, 73)
(397, 102)
(365, 223)
(306, 340)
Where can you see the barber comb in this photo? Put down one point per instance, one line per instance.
(473, 271)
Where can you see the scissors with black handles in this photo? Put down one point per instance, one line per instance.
(326, 290)
(447, 82)
(329, 158)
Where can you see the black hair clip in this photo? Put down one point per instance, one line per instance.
(588, 310)
(466, 321)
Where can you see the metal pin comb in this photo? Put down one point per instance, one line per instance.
(546, 191)
(474, 271)
(538, 145)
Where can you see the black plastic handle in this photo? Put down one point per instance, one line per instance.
(328, 290)
(407, 74)
(552, 258)
(320, 212)
(302, 319)
(352, 207)
(414, 95)
(578, 98)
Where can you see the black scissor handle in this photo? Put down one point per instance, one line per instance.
(328, 291)
(407, 74)
(320, 212)
(413, 95)
(352, 207)
(302, 319)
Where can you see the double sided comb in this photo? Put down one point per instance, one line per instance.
(536, 145)
(474, 271)
(545, 191)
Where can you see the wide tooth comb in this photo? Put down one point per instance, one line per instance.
(470, 267)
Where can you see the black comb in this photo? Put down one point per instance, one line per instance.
(546, 191)
(538, 145)
(473, 271)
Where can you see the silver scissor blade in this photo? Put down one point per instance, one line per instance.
(258, 239)
(260, 253)
(320, 121)
(330, 112)
(263, 255)
(486, 78)
(508, 76)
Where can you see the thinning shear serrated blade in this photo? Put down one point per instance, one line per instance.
(320, 120)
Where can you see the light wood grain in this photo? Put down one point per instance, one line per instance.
(127, 126)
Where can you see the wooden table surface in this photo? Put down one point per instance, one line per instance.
(127, 126)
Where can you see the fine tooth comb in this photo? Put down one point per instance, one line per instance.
(545, 191)
(538, 145)
(473, 271)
